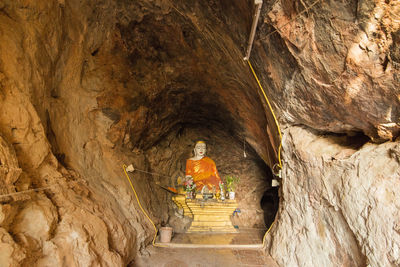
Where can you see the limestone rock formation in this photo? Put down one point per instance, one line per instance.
(87, 86)
(339, 196)
(338, 70)
(342, 208)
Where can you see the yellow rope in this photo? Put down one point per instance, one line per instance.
(273, 114)
(144, 212)
(267, 233)
(279, 131)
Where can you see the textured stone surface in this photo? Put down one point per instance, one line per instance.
(11, 254)
(339, 197)
(337, 209)
(9, 171)
(334, 67)
(83, 90)
(36, 219)
(87, 86)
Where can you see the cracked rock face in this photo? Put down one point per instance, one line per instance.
(343, 207)
(87, 86)
(338, 66)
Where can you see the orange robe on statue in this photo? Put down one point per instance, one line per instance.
(204, 173)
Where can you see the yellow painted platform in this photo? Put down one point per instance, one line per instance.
(180, 201)
(211, 215)
(208, 215)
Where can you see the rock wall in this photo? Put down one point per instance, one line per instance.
(66, 224)
(332, 67)
(43, 115)
(87, 86)
(336, 99)
(339, 204)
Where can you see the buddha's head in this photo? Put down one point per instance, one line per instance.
(200, 149)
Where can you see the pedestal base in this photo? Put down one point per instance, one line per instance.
(180, 201)
(211, 215)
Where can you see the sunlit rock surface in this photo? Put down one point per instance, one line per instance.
(87, 86)
(342, 208)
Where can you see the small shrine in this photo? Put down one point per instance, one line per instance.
(202, 196)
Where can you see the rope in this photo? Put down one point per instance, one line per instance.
(279, 131)
(267, 234)
(284, 25)
(269, 104)
(28, 191)
(273, 114)
(140, 205)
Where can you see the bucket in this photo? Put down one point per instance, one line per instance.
(165, 234)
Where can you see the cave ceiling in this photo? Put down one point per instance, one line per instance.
(159, 66)
(182, 64)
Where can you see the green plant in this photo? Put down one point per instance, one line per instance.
(231, 182)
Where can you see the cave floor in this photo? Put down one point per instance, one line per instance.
(230, 249)
(244, 239)
(204, 257)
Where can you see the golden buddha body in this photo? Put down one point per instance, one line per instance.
(202, 169)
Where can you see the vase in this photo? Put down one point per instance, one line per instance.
(231, 195)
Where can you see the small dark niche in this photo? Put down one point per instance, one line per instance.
(385, 63)
(54, 93)
(95, 52)
(353, 140)
(111, 114)
(61, 158)
(269, 204)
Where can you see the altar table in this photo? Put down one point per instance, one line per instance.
(208, 215)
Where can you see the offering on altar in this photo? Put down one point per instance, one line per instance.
(190, 188)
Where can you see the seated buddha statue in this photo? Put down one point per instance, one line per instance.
(202, 169)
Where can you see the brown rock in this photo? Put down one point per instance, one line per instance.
(37, 220)
(11, 254)
(87, 86)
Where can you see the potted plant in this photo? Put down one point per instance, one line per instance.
(231, 183)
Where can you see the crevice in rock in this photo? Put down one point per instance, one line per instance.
(270, 205)
(51, 137)
(395, 47)
(385, 63)
(353, 140)
(94, 53)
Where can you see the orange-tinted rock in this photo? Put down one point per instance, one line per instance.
(87, 86)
